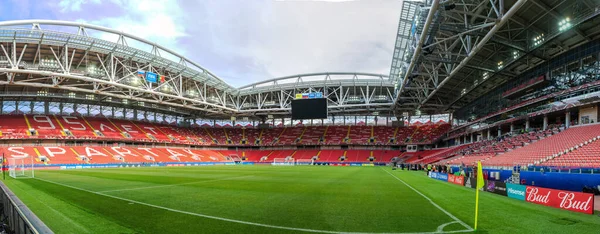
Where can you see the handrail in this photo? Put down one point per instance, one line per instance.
(18, 217)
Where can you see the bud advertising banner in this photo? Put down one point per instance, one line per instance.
(516, 191)
(573, 201)
(460, 180)
(439, 176)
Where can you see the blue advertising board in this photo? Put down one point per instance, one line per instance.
(439, 176)
(516, 191)
(151, 77)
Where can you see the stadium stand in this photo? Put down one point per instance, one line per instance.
(551, 147)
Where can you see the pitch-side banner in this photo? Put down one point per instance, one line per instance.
(439, 176)
(496, 187)
(460, 180)
(573, 201)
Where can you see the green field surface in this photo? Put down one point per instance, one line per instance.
(271, 199)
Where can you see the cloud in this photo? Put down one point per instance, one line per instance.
(157, 21)
(74, 5)
(275, 39)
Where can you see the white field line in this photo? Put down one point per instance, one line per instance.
(171, 185)
(235, 220)
(441, 227)
(469, 228)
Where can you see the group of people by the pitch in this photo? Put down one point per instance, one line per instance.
(463, 170)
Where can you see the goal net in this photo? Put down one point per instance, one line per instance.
(283, 161)
(21, 167)
(304, 162)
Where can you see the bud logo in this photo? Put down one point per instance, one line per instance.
(569, 202)
(573, 201)
(534, 196)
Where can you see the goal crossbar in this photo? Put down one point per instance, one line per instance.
(20, 167)
(284, 161)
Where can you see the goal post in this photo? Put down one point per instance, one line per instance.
(284, 162)
(304, 162)
(21, 167)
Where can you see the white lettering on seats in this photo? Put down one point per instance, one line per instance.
(102, 126)
(151, 129)
(123, 151)
(175, 153)
(192, 153)
(66, 119)
(51, 153)
(19, 154)
(128, 128)
(92, 152)
(43, 119)
(149, 150)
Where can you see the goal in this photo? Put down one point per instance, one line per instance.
(21, 167)
(284, 161)
(304, 162)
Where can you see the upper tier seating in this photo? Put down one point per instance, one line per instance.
(359, 134)
(101, 128)
(312, 135)
(335, 134)
(383, 134)
(429, 132)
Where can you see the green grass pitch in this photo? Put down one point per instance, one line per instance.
(270, 199)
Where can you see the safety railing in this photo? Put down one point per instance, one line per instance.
(15, 217)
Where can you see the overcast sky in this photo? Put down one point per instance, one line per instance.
(244, 41)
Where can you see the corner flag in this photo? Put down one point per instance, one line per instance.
(480, 184)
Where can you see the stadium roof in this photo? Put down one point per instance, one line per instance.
(75, 60)
(458, 50)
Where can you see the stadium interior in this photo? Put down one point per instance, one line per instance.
(513, 84)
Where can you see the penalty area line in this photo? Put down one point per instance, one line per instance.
(469, 228)
(235, 220)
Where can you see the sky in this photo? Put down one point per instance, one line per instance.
(244, 41)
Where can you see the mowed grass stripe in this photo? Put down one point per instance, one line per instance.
(324, 198)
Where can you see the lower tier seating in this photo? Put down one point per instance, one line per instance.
(51, 155)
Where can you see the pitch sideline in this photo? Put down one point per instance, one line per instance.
(241, 221)
(431, 201)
